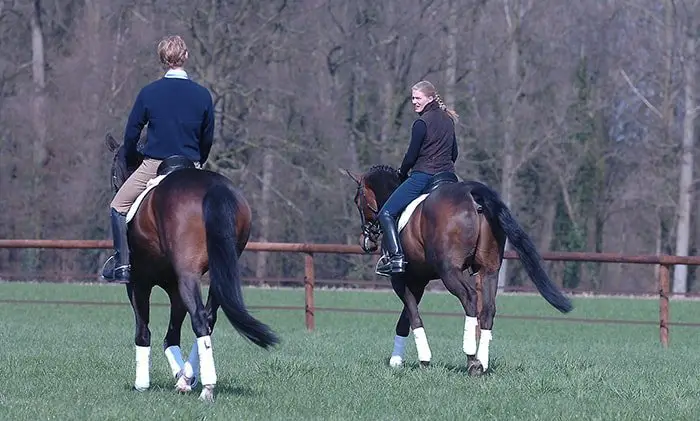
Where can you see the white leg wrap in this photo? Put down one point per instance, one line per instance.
(192, 365)
(174, 357)
(397, 354)
(469, 344)
(143, 365)
(483, 353)
(207, 372)
(422, 344)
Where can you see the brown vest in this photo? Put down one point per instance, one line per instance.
(436, 151)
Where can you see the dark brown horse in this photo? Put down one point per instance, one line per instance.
(192, 222)
(459, 226)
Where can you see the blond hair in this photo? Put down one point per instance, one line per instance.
(428, 89)
(172, 51)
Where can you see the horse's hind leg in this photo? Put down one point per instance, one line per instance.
(211, 308)
(184, 372)
(465, 290)
(489, 287)
(188, 378)
(139, 297)
(192, 298)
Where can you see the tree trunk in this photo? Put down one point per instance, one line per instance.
(508, 158)
(39, 152)
(451, 50)
(680, 273)
(264, 211)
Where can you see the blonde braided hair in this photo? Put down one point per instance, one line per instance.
(428, 89)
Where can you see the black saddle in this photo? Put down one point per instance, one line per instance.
(439, 179)
(174, 163)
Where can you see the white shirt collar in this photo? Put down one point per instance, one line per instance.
(176, 74)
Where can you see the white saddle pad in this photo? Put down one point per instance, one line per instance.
(149, 186)
(406, 214)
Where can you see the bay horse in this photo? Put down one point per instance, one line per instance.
(457, 226)
(191, 222)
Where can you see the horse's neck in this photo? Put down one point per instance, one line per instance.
(382, 200)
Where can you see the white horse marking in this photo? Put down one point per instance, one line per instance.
(483, 353)
(396, 359)
(424, 354)
(469, 343)
(143, 368)
(174, 356)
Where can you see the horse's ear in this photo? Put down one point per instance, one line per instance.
(112, 143)
(355, 177)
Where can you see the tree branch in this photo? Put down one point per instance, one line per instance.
(639, 94)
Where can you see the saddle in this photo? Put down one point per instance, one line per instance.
(173, 163)
(439, 179)
(436, 181)
(166, 167)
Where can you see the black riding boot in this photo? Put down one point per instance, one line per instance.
(393, 259)
(122, 266)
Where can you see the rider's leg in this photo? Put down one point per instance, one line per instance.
(125, 197)
(399, 199)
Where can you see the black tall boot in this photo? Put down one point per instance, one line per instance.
(122, 267)
(393, 259)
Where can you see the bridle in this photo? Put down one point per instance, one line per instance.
(371, 230)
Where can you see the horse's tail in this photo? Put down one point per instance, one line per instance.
(219, 207)
(497, 211)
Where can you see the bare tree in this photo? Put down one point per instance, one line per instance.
(685, 187)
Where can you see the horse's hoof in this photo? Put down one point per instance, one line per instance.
(140, 388)
(425, 364)
(395, 361)
(207, 394)
(185, 384)
(474, 368)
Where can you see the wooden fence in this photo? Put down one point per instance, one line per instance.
(308, 250)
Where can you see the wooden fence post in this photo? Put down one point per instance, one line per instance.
(309, 280)
(664, 287)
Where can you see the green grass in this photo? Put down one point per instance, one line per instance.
(69, 362)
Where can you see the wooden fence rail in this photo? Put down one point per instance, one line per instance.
(308, 250)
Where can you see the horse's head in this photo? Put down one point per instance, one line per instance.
(373, 189)
(122, 165)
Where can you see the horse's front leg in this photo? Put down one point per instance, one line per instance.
(139, 297)
(410, 294)
(403, 328)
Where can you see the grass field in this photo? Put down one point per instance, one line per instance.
(70, 362)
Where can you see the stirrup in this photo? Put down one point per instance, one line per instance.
(386, 266)
(109, 272)
(125, 272)
(108, 269)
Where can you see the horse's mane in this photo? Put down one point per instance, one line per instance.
(383, 180)
(382, 171)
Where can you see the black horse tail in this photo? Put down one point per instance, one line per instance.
(220, 209)
(497, 211)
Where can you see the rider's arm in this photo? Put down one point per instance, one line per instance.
(417, 135)
(137, 119)
(207, 138)
(455, 152)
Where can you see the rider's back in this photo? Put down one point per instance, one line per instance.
(180, 118)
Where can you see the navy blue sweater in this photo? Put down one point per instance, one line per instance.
(180, 117)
